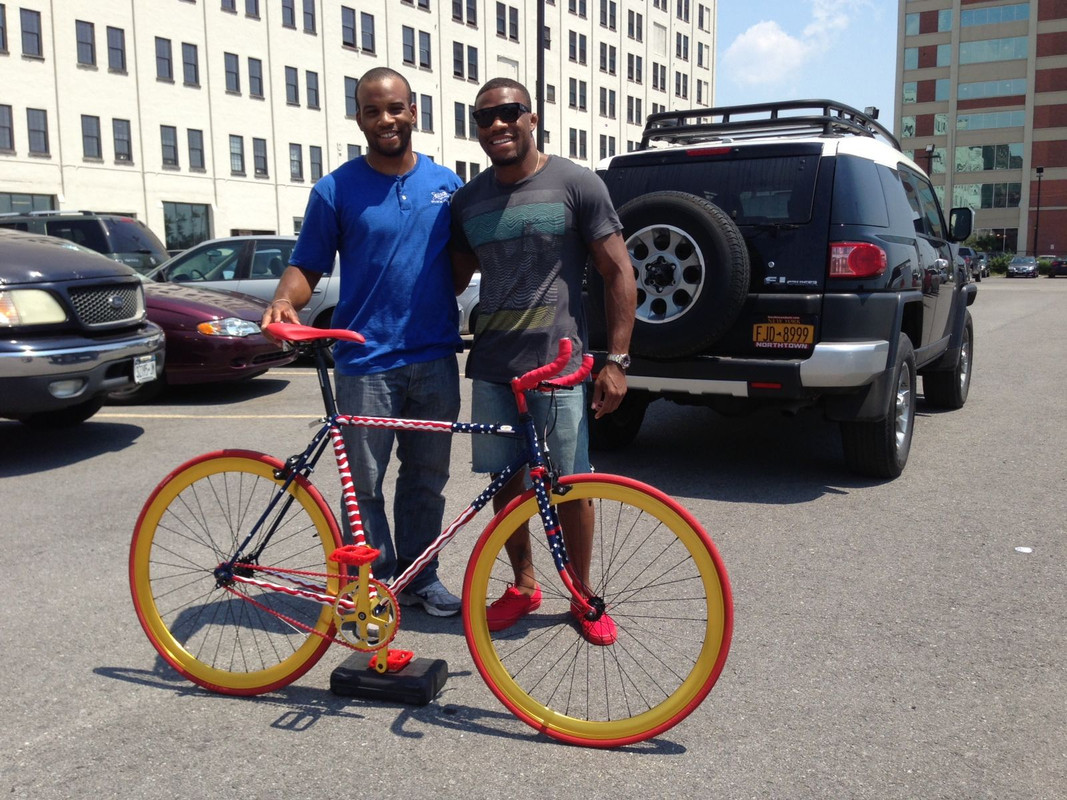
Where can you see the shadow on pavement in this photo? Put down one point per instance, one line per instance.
(24, 451)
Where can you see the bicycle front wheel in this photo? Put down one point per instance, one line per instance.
(233, 637)
(662, 582)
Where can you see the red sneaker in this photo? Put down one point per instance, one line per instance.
(506, 611)
(601, 632)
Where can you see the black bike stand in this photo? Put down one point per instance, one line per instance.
(417, 682)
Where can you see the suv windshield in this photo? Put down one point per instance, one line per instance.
(131, 236)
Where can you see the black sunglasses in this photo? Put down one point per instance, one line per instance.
(506, 113)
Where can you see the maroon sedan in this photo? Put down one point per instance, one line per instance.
(210, 336)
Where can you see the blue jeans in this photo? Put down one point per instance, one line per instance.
(427, 390)
(562, 413)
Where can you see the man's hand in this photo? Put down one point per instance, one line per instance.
(280, 310)
(608, 391)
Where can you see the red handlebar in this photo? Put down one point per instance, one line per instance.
(542, 375)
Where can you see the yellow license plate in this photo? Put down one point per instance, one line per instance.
(787, 335)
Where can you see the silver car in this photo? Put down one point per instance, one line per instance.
(253, 265)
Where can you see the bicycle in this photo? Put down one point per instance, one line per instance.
(241, 581)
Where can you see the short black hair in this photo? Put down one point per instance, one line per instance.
(380, 74)
(504, 83)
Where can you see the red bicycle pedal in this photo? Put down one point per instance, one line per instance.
(395, 660)
(354, 554)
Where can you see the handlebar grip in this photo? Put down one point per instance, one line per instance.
(532, 378)
(576, 377)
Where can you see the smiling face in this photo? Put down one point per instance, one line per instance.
(386, 116)
(507, 144)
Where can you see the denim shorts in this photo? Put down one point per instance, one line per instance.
(563, 412)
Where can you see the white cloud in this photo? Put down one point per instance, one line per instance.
(766, 54)
(763, 54)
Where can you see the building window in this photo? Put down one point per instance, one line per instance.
(86, 35)
(577, 94)
(3, 28)
(607, 58)
(312, 84)
(288, 13)
(348, 26)
(550, 93)
(681, 85)
(633, 111)
(296, 162)
(190, 65)
(168, 136)
(255, 78)
(1004, 88)
(37, 126)
(186, 224)
(577, 144)
(237, 155)
(993, 119)
(292, 88)
(259, 157)
(681, 46)
(995, 15)
(31, 33)
(366, 26)
(577, 45)
(424, 50)
(988, 50)
(229, 5)
(987, 195)
(607, 102)
(315, 161)
(91, 137)
(608, 9)
(164, 63)
(577, 7)
(471, 7)
(607, 146)
(354, 151)
(635, 25)
(196, 149)
(682, 10)
(634, 68)
(116, 49)
(408, 37)
(309, 16)
(252, 8)
(232, 65)
(461, 120)
(982, 158)
(120, 131)
(351, 105)
(426, 112)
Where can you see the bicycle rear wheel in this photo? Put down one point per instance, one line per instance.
(239, 643)
(663, 584)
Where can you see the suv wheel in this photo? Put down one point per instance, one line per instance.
(949, 389)
(65, 417)
(692, 273)
(879, 448)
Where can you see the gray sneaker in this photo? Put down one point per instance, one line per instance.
(435, 599)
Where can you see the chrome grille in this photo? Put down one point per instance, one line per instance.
(106, 305)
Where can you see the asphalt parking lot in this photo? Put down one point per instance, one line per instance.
(892, 640)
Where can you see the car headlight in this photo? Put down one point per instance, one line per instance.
(231, 326)
(29, 307)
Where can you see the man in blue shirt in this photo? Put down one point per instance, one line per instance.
(387, 215)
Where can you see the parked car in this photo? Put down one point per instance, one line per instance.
(788, 255)
(970, 261)
(73, 327)
(1057, 265)
(1022, 267)
(212, 336)
(983, 264)
(468, 304)
(121, 238)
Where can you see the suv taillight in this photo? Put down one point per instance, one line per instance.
(856, 260)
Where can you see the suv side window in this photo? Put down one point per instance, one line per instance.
(923, 204)
(87, 233)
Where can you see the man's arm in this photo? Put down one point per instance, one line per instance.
(612, 261)
(293, 293)
(464, 265)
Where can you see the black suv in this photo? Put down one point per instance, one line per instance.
(788, 254)
(72, 329)
(119, 237)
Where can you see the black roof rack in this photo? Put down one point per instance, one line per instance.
(802, 118)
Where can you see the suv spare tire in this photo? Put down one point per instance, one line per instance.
(692, 273)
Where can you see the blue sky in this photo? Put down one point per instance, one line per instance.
(841, 50)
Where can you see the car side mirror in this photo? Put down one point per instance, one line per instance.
(961, 222)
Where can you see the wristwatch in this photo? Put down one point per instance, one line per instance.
(620, 360)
